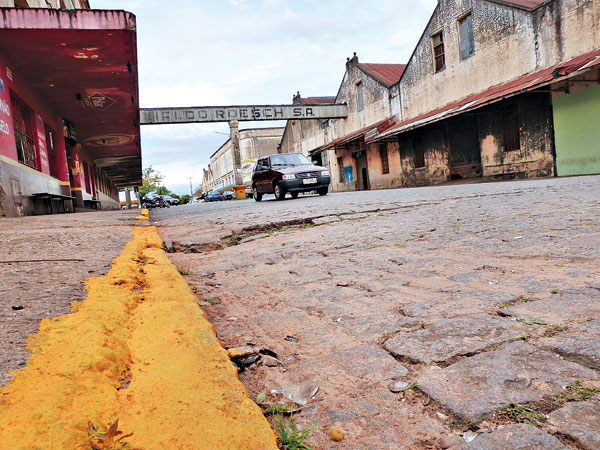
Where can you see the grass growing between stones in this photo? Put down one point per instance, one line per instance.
(525, 414)
(183, 270)
(289, 437)
(213, 300)
(531, 321)
(576, 392)
(553, 330)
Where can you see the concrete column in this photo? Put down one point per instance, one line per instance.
(237, 157)
(128, 198)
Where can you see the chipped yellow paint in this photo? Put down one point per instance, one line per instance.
(143, 215)
(140, 349)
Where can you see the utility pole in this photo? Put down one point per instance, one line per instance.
(237, 158)
(191, 189)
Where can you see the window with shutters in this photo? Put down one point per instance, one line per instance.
(419, 151)
(510, 128)
(360, 102)
(383, 154)
(439, 58)
(340, 163)
(467, 42)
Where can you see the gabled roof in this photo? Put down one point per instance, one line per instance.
(529, 5)
(318, 100)
(525, 83)
(388, 74)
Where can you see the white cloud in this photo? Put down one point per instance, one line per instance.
(206, 52)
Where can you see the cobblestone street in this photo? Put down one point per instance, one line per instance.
(420, 314)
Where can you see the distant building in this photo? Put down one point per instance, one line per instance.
(301, 136)
(494, 88)
(254, 143)
(68, 107)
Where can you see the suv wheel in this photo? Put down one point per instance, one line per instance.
(323, 191)
(278, 191)
(255, 194)
(294, 194)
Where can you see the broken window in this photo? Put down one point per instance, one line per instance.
(383, 154)
(439, 58)
(340, 163)
(467, 42)
(510, 128)
(24, 132)
(359, 97)
(419, 151)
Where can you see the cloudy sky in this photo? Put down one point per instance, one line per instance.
(237, 52)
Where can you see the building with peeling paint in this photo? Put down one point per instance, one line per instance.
(340, 143)
(69, 111)
(301, 136)
(494, 88)
(253, 143)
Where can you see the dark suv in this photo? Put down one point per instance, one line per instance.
(288, 172)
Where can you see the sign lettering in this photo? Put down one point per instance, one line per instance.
(4, 128)
(227, 113)
(4, 107)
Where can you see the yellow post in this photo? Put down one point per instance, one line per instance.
(240, 192)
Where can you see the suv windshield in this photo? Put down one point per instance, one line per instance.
(290, 159)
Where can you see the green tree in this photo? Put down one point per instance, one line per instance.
(161, 190)
(151, 180)
(185, 199)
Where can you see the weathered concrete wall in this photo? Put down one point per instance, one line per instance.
(108, 203)
(565, 29)
(376, 100)
(436, 168)
(395, 177)
(504, 49)
(535, 156)
(302, 136)
(340, 184)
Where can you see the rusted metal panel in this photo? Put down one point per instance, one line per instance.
(151, 116)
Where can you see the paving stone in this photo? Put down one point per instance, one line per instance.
(369, 361)
(570, 304)
(458, 304)
(325, 220)
(519, 436)
(580, 421)
(531, 285)
(516, 372)
(580, 343)
(453, 337)
(378, 325)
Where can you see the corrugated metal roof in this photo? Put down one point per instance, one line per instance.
(522, 84)
(318, 100)
(523, 4)
(388, 74)
(374, 129)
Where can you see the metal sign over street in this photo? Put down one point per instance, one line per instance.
(150, 116)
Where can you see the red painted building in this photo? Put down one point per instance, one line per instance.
(69, 109)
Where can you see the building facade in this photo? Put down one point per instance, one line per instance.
(68, 128)
(302, 136)
(253, 143)
(493, 88)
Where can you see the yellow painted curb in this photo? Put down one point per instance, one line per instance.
(143, 215)
(136, 356)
